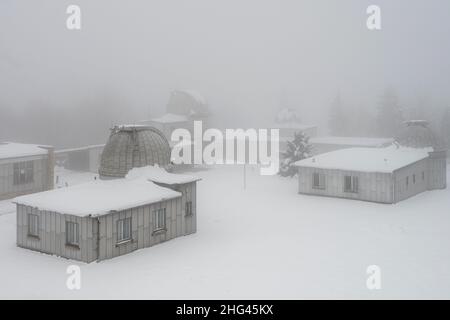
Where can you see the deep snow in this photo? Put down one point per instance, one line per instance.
(266, 241)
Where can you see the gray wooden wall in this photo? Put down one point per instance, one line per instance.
(52, 234)
(380, 187)
(40, 180)
(189, 193)
(437, 166)
(142, 226)
(403, 191)
(376, 187)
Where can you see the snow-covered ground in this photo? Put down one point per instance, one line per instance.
(264, 241)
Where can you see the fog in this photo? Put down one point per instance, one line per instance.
(248, 58)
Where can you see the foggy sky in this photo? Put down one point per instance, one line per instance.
(245, 56)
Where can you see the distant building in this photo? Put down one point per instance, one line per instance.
(25, 168)
(103, 219)
(184, 107)
(288, 122)
(85, 158)
(168, 122)
(188, 103)
(133, 146)
(332, 143)
(415, 163)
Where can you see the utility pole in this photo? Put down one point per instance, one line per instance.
(245, 176)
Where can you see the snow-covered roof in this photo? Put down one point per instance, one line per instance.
(352, 141)
(93, 146)
(159, 175)
(18, 150)
(130, 127)
(98, 197)
(386, 159)
(170, 118)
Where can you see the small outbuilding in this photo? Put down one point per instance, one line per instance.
(103, 219)
(25, 168)
(385, 175)
(414, 163)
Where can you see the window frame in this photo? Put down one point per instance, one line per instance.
(354, 184)
(188, 209)
(157, 214)
(72, 233)
(23, 172)
(33, 225)
(320, 179)
(123, 227)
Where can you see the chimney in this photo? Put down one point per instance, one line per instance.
(50, 167)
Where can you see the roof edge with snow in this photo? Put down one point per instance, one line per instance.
(382, 160)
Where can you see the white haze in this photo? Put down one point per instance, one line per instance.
(248, 58)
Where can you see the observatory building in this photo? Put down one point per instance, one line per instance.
(136, 203)
(183, 108)
(133, 146)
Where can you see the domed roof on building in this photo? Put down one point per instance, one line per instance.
(133, 146)
(187, 102)
(418, 134)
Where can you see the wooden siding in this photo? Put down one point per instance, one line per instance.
(142, 228)
(40, 179)
(437, 167)
(404, 191)
(52, 234)
(189, 193)
(372, 186)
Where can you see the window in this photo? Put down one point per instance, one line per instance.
(407, 182)
(414, 178)
(23, 172)
(123, 229)
(423, 175)
(33, 225)
(318, 181)
(160, 219)
(72, 233)
(189, 208)
(351, 184)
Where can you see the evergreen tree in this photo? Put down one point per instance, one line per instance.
(298, 149)
(389, 117)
